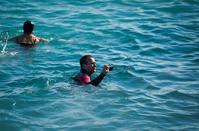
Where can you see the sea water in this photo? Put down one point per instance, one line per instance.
(152, 44)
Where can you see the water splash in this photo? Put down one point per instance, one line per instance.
(5, 45)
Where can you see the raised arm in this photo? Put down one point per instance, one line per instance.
(99, 78)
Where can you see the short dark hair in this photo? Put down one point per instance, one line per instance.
(28, 27)
(83, 59)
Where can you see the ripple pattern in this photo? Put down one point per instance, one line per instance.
(152, 44)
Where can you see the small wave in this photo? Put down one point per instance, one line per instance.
(176, 94)
(154, 51)
(7, 54)
(150, 87)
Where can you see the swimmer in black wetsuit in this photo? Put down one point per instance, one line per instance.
(88, 67)
(27, 38)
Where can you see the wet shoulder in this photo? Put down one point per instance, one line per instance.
(83, 78)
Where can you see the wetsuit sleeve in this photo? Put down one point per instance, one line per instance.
(97, 80)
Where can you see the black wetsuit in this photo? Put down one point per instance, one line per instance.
(84, 78)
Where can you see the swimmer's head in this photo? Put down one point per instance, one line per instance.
(28, 27)
(88, 64)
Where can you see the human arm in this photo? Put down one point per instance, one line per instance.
(14, 39)
(41, 40)
(85, 79)
(99, 78)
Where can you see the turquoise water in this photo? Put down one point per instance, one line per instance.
(152, 44)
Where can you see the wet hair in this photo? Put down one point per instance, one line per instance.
(28, 27)
(83, 59)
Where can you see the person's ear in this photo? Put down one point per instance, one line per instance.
(84, 66)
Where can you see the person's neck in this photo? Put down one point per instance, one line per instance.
(27, 34)
(85, 71)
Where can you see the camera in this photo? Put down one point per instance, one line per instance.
(110, 68)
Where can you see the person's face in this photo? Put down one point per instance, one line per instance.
(90, 66)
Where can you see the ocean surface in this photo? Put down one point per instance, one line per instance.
(153, 46)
